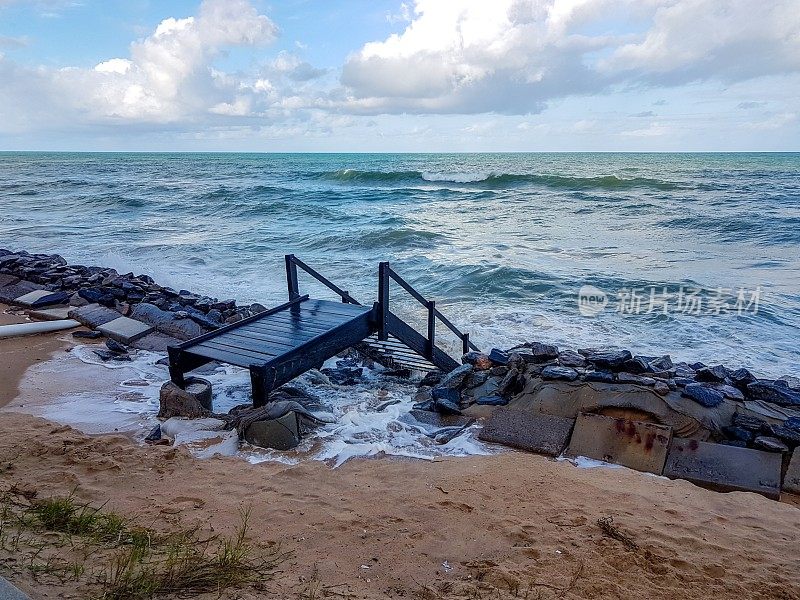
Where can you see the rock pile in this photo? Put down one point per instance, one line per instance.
(496, 378)
(79, 285)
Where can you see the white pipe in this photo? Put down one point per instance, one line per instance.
(20, 329)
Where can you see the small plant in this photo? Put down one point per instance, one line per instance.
(606, 524)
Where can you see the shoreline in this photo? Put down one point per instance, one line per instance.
(394, 527)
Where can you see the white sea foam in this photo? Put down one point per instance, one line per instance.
(456, 177)
(370, 419)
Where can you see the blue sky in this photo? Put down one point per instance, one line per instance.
(421, 75)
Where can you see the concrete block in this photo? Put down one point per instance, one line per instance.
(540, 433)
(725, 468)
(93, 315)
(125, 330)
(634, 444)
(10, 592)
(50, 314)
(279, 434)
(38, 298)
(791, 483)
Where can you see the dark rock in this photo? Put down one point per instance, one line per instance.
(770, 444)
(446, 401)
(87, 335)
(97, 296)
(256, 308)
(570, 358)
(683, 381)
(605, 359)
(432, 378)
(559, 373)
(623, 377)
(512, 383)
(492, 401)
(734, 432)
(599, 376)
(696, 366)
(344, 375)
(792, 423)
(498, 371)
(769, 391)
(790, 436)
(50, 299)
(215, 316)
(154, 435)
(402, 373)
(225, 305)
(728, 391)
(717, 373)
(542, 352)
(479, 360)
(498, 357)
(685, 373)
(456, 377)
(661, 363)
(791, 382)
(635, 365)
(703, 395)
(166, 322)
(115, 346)
(424, 405)
(106, 355)
(734, 443)
(747, 422)
(661, 388)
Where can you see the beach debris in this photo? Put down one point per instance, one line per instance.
(633, 444)
(115, 346)
(106, 355)
(22, 329)
(154, 435)
(87, 334)
(539, 433)
(606, 525)
(50, 314)
(725, 467)
(193, 401)
(39, 298)
(93, 315)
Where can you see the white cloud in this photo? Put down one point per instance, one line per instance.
(512, 56)
(167, 78)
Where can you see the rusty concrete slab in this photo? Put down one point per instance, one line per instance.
(725, 468)
(539, 433)
(791, 482)
(633, 444)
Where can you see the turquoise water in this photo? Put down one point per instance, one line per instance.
(503, 242)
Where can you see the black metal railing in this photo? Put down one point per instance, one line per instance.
(385, 273)
(292, 262)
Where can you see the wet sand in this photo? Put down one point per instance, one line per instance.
(502, 526)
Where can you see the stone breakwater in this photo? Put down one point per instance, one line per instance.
(179, 313)
(729, 405)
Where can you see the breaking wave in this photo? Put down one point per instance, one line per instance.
(500, 180)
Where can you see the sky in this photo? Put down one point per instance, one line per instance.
(389, 76)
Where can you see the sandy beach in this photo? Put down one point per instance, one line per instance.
(504, 526)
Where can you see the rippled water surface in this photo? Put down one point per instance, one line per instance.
(503, 242)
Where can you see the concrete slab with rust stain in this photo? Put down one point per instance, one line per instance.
(633, 444)
(725, 468)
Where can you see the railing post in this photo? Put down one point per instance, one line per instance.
(291, 277)
(383, 299)
(465, 342)
(431, 328)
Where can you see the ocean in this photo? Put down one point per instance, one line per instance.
(694, 255)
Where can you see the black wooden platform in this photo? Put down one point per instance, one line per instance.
(279, 344)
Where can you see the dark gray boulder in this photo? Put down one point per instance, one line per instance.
(716, 373)
(771, 391)
(606, 359)
(703, 395)
(559, 373)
